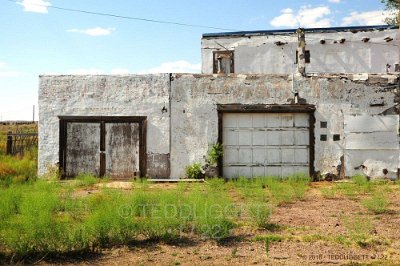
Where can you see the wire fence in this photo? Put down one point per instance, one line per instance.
(21, 140)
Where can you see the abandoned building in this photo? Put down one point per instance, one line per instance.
(339, 117)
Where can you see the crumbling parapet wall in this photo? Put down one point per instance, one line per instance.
(337, 50)
(194, 116)
(97, 95)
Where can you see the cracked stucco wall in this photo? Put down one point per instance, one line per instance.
(182, 135)
(125, 95)
(195, 97)
(258, 54)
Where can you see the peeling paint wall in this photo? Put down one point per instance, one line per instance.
(372, 145)
(258, 54)
(182, 132)
(195, 97)
(127, 95)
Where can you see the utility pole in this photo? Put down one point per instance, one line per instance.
(301, 52)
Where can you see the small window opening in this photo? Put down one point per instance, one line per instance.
(336, 137)
(323, 124)
(223, 62)
(323, 137)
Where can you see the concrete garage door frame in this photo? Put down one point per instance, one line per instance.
(102, 120)
(263, 108)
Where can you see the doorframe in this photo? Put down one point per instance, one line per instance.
(274, 108)
(64, 120)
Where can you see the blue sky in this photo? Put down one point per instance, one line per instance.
(39, 39)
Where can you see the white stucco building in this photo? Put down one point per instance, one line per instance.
(341, 118)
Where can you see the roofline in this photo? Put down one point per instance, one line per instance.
(291, 31)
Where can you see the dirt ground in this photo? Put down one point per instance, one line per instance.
(307, 234)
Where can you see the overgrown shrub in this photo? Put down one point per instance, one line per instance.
(194, 171)
(216, 151)
(42, 216)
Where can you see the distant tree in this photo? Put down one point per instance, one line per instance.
(393, 6)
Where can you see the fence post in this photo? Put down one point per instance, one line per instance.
(9, 143)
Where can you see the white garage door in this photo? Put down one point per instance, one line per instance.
(265, 144)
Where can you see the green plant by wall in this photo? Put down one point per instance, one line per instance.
(216, 152)
(194, 171)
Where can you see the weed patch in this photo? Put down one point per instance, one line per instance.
(377, 204)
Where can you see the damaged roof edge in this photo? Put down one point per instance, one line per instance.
(291, 31)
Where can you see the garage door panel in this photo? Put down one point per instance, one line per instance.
(258, 138)
(231, 155)
(258, 121)
(259, 155)
(259, 171)
(301, 155)
(287, 138)
(230, 137)
(288, 170)
(231, 171)
(302, 120)
(244, 171)
(273, 138)
(273, 171)
(288, 156)
(273, 121)
(302, 138)
(287, 120)
(301, 170)
(245, 137)
(273, 156)
(265, 144)
(244, 121)
(245, 156)
(230, 120)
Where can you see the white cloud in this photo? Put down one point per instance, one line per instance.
(2, 64)
(334, 1)
(180, 66)
(36, 6)
(97, 31)
(376, 17)
(306, 16)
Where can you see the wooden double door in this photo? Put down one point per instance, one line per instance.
(102, 146)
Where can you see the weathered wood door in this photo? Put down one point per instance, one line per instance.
(102, 147)
(121, 150)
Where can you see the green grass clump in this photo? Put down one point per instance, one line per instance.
(377, 204)
(42, 216)
(269, 238)
(260, 214)
(329, 193)
(86, 180)
(359, 230)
